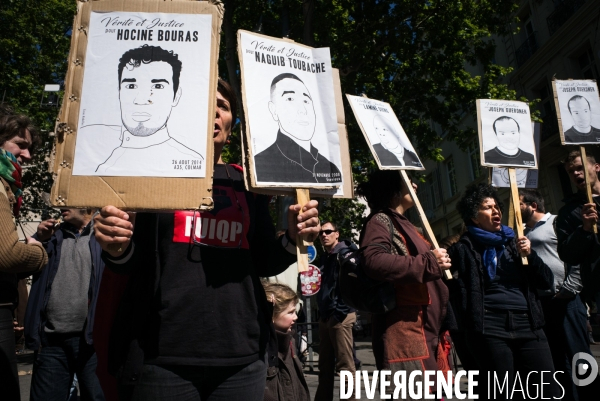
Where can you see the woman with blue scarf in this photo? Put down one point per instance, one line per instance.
(495, 303)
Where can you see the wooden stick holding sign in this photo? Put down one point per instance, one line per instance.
(514, 191)
(511, 211)
(426, 227)
(588, 188)
(302, 196)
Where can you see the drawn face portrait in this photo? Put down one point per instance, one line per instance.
(508, 134)
(146, 96)
(580, 111)
(292, 106)
(387, 136)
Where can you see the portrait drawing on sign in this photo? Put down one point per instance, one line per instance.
(582, 129)
(149, 89)
(293, 157)
(390, 150)
(508, 152)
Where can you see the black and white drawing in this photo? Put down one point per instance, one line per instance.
(384, 133)
(144, 97)
(506, 136)
(526, 178)
(291, 113)
(292, 106)
(579, 107)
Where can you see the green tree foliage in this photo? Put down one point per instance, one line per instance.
(416, 55)
(34, 44)
(429, 59)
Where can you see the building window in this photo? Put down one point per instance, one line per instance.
(474, 160)
(451, 172)
(588, 65)
(435, 188)
(423, 193)
(550, 125)
(429, 193)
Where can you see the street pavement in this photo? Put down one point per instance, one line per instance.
(364, 353)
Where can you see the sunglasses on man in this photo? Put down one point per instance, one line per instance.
(326, 232)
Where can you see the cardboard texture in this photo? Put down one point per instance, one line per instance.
(558, 116)
(131, 193)
(248, 162)
(348, 187)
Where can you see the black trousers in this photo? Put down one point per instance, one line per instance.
(198, 383)
(8, 360)
(513, 359)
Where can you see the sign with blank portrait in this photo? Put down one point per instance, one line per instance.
(387, 140)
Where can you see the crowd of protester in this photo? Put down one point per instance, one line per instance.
(119, 305)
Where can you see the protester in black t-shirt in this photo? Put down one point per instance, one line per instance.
(194, 318)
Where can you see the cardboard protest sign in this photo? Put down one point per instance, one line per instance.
(387, 140)
(578, 111)
(138, 116)
(505, 134)
(347, 189)
(289, 101)
(526, 178)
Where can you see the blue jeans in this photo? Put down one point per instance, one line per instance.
(508, 345)
(55, 365)
(198, 383)
(566, 330)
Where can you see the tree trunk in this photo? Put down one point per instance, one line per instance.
(308, 8)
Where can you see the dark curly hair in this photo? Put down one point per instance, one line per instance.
(149, 54)
(468, 206)
(380, 188)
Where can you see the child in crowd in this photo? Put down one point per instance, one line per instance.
(285, 380)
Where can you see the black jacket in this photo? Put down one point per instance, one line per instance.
(467, 291)
(577, 246)
(328, 299)
(285, 378)
(285, 161)
(387, 158)
(35, 316)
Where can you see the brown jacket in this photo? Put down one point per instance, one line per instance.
(15, 256)
(408, 334)
(286, 382)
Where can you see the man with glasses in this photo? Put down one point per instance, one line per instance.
(337, 319)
